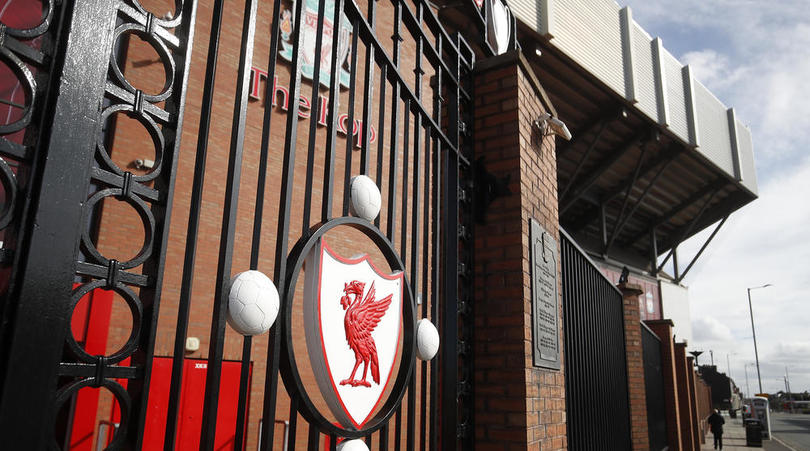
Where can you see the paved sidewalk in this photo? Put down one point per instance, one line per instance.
(734, 438)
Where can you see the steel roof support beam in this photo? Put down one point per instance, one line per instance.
(639, 201)
(663, 219)
(685, 231)
(600, 169)
(702, 248)
(584, 158)
(593, 214)
(591, 125)
(620, 217)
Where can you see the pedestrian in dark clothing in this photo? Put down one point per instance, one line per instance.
(716, 422)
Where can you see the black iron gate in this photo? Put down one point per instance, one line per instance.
(408, 89)
(654, 386)
(597, 409)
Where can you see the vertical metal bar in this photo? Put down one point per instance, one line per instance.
(282, 241)
(449, 351)
(217, 339)
(313, 122)
(381, 133)
(369, 88)
(403, 249)
(425, 271)
(435, 263)
(350, 127)
(274, 342)
(398, 428)
(314, 435)
(675, 262)
(47, 271)
(384, 438)
(334, 100)
(241, 406)
(415, 218)
(395, 98)
(293, 422)
(332, 442)
(192, 230)
(653, 251)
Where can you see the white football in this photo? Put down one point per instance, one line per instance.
(427, 339)
(252, 303)
(366, 198)
(352, 445)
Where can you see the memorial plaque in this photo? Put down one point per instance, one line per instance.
(545, 314)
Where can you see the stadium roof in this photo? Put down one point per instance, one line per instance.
(653, 151)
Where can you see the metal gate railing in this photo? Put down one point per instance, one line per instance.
(409, 91)
(654, 385)
(597, 408)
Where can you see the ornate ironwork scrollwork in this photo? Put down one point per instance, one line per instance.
(148, 194)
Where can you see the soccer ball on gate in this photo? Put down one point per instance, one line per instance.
(252, 303)
(427, 339)
(366, 198)
(352, 445)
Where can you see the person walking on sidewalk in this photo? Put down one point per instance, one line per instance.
(716, 422)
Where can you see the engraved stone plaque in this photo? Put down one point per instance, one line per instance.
(545, 314)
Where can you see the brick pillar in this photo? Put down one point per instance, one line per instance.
(663, 329)
(518, 406)
(696, 431)
(682, 370)
(636, 388)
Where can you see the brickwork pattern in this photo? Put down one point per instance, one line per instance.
(121, 233)
(685, 395)
(636, 387)
(518, 406)
(663, 329)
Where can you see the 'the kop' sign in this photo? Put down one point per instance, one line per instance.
(281, 99)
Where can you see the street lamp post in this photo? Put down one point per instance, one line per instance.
(747, 387)
(753, 331)
(728, 364)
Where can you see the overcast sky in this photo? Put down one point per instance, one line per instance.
(754, 56)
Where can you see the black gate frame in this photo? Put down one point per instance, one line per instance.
(81, 87)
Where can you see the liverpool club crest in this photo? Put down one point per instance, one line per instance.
(353, 313)
(308, 35)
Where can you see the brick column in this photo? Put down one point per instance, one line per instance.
(693, 402)
(663, 329)
(682, 370)
(518, 406)
(636, 388)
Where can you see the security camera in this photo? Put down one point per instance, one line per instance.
(144, 163)
(546, 122)
(559, 128)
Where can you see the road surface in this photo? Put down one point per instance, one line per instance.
(792, 429)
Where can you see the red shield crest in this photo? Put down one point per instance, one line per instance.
(353, 317)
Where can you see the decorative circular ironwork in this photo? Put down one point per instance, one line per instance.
(115, 388)
(28, 83)
(288, 367)
(162, 51)
(165, 23)
(135, 307)
(147, 219)
(42, 27)
(9, 181)
(151, 127)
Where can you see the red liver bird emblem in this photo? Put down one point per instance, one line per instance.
(361, 318)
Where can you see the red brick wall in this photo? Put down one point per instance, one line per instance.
(704, 406)
(663, 329)
(518, 406)
(685, 394)
(636, 387)
(120, 232)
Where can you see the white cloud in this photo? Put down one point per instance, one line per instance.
(755, 56)
(709, 329)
